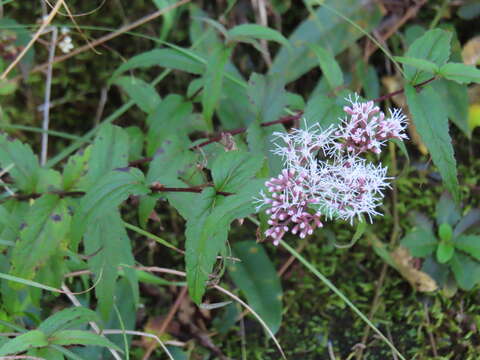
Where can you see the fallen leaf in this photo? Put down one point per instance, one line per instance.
(405, 264)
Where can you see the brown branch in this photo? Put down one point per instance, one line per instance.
(418, 86)
(156, 188)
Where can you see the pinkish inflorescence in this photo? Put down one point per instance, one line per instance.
(366, 128)
(324, 175)
(289, 207)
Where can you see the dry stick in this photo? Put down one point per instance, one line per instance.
(32, 41)
(168, 319)
(111, 35)
(94, 326)
(48, 91)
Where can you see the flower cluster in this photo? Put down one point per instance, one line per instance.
(324, 174)
(366, 128)
(66, 44)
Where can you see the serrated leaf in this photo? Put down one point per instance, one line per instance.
(31, 339)
(330, 68)
(420, 64)
(446, 210)
(466, 270)
(256, 31)
(76, 168)
(213, 83)
(445, 251)
(81, 337)
(469, 244)
(420, 242)
(267, 94)
(106, 195)
(167, 121)
(142, 93)
(455, 99)
(168, 58)
(43, 231)
(109, 151)
(108, 240)
(431, 121)
(67, 318)
(23, 164)
(233, 169)
(461, 73)
(325, 29)
(256, 277)
(433, 46)
(207, 232)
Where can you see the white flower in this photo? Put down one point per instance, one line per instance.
(66, 44)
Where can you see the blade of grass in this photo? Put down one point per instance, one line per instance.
(332, 287)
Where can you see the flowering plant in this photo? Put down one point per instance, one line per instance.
(324, 173)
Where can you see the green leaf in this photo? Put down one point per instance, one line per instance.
(447, 211)
(109, 151)
(267, 94)
(461, 73)
(106, 195)
(31, 339)
(257, 32)
(420, 242)
(168, 120)
(445, 251)
(471, 219)
(212, 89)
(324, 29)
(22, 163)
(420, 64)
(431, 121)
(168, 58)
(67, 318)
(330, 68)
(81, 337)
(208, 229)
(323, 110)
(136, 142)
(469, 244)
(108, 240)
(466, 270)
(233, 169)
(445, 232)
(455, 99)
(433, 46)
(76, 168)
(256, 277)
(43, 234)
(168, 17)
(142, 93)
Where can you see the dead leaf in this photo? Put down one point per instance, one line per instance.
(471, 51)
(405, 264)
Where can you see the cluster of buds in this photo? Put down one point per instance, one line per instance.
(366, 128)
(289, 206)
(324, 175)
